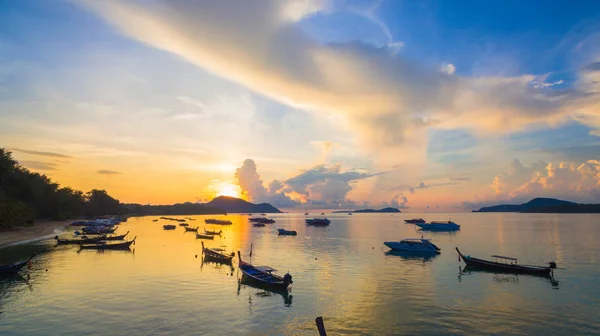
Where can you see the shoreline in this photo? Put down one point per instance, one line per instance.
(38, 231)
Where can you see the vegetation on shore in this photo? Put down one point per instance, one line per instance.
(26, 196)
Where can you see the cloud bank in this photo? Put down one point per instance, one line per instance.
(387, 98)
(578, 182)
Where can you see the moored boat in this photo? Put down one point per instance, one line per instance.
(104, 246)
(183, 224)
(439, 226)
(216, 254)
(212, 232)
(14, 268)
(204, 236)
(349, 213)
(413, 245)
(318, 221)
(506, 264)
(217, 221)
(191, 229)
(284, 232)
(119, 237)
(262, 220)
(414, 221)
(169, 227)
(258, 224)
(82, 240)
(263, 275)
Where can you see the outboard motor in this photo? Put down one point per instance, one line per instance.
(287, 278)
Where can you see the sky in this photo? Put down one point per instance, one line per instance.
(422, 105)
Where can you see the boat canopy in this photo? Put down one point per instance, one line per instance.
(502, 257)
(265, 269)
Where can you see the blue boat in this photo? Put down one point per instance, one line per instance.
(263, 275)
(284, 232)
(14, 268)
(439, 226)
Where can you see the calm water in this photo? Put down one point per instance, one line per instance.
(341, 272)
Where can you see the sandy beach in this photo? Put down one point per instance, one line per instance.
(40, 230)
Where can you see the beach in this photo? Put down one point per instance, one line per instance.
(40, 230)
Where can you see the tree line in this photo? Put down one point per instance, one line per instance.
(26, 196)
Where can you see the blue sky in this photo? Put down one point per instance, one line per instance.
(399, 92)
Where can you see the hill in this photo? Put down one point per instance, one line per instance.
(384, 210)
(233, 205)
(539, 205)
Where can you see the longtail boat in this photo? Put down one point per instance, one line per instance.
(263, 275)
(14, 268)
(217, 255)
(218, 221)
(169, 227)
(119, 237)
(212, 232)
(83, 240)
(204, 236)
(183, 224)
(100, 230)
(284, 232)
(105, 246)
(506, 264)
(191, 229)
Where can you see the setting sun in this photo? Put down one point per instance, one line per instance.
(228, 189)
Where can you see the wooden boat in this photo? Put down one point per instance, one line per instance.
(119, 237)
(263, 275)
(83, 240)
(183, 224)
(155, 220)
(218, 221)
(414, 221)
(258, 224)
(191, 229)
(14, 268)
(506, 264)
(169, 227)
(204, 236)
(284, 232)
(105, 246)
(217, 255)
(212, 232)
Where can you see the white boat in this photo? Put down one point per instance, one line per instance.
(439, 226)
(413, 245)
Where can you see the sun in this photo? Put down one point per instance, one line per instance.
(228, 189)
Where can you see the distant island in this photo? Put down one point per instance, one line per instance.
(384, 210)
(544, 205)
(219, 205)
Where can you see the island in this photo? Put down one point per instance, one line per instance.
(384, 210)
(544, 205)
(219, 205)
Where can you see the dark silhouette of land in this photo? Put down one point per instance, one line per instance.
(544, 205)
(384, 210)
(219, 205)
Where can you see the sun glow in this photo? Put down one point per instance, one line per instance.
(228, 189)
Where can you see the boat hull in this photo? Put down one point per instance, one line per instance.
(283, 232)
(416, 248)
(438, 227)
(13, 269)
(274, 282)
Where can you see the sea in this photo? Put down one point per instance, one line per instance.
(342, 272)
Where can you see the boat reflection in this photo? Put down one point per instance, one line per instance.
(412, 255)
(217, 265)
(261, 291)
(504, 277)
